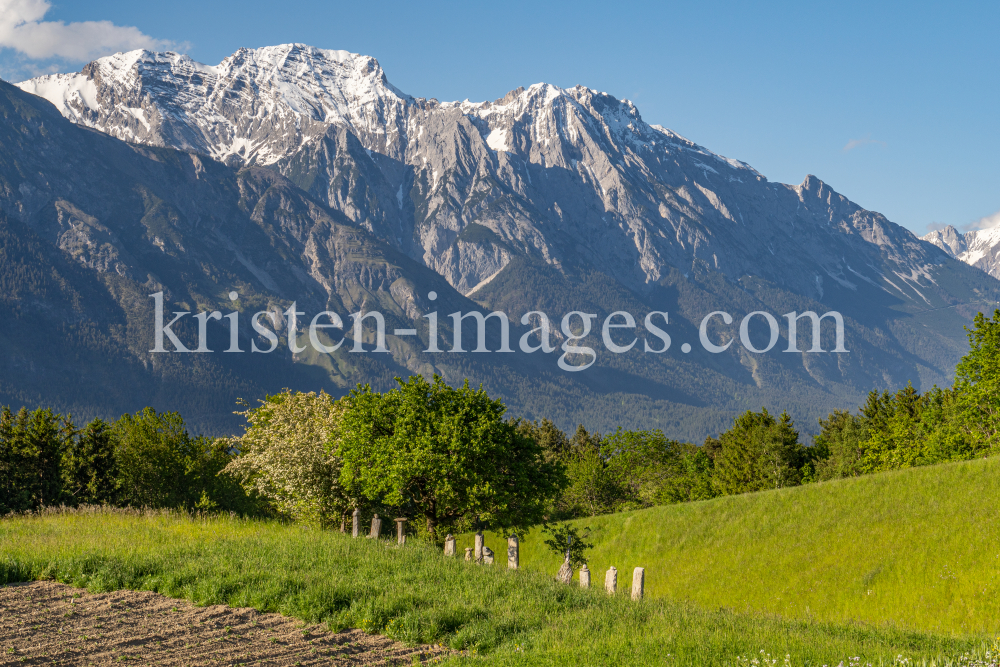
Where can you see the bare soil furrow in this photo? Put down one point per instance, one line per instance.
(44, 622)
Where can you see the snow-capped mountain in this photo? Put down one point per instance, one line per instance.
(254, 108)
(568, 176)
(979, 248)
(291, 173)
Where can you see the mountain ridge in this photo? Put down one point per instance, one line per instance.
(979, 247)
(546, 199)
(485, 157)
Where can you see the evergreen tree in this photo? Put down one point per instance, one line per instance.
(759, 452)
(89, 470)
(840, 445)
(547, 435)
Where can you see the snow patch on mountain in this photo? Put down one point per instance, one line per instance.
(979, 247)
(65, 91)
(570, 176)
(277, 91)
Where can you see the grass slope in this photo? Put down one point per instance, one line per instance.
(414, 594)
(917, 548)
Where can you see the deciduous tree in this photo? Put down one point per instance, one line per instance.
(288, 456)
(449, 453)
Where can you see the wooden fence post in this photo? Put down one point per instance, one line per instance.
(611, 580)
(449, 545)
(355, 521)
(376, 527)
(400, 535)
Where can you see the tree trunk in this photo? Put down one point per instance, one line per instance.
(432, 527)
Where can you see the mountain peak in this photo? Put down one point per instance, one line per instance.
(535, 167)
(294, 90)
(978, 247)
(549, 199)
(813, 184)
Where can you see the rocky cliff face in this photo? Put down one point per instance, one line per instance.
(105, 223)
(568, 176)
(979, 248)
(295, 173)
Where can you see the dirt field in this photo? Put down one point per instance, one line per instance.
(53, 624)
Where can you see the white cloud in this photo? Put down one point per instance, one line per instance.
(989, 222)
(22, 29)
(866, 141)
(935, 226)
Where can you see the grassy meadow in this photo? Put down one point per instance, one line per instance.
(916, 548)
(495, 616)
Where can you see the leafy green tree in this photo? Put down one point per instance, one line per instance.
(977, 383)
(695, 479)
(759, 452)
(153, 452)
(655, 470)
(161, 465)
(896, 434)
(89, 469)
(564, 539)
(213, 488)
(947, 440)
(593, 488)
(446, 452)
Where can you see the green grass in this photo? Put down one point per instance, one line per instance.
(918, 549)
(414, 594)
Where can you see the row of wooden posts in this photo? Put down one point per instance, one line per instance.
(480, 553)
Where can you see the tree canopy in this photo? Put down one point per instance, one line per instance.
(446, 452)
(759, 452)
(977, 382)
(288, 456)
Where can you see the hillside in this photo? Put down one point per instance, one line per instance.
(415, 595)
(917, 548)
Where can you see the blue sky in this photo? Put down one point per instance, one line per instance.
(895, 105)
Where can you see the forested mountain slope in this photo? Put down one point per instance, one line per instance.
(291, 173)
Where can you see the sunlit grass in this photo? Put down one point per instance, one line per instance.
(416, 595)
(917, 548)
